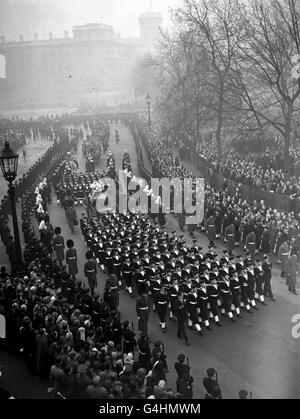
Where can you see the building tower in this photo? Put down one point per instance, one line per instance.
(150, 22)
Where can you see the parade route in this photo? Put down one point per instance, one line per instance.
(257, 353)
(247, 354)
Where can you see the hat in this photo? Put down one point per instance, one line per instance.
(243, 394)
(127, 368)
(211, 372)
(156, 351)
(181, 358)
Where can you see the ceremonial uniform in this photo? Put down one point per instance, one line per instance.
(267, 277)
(230, 238)
(213, 296)
(59, 246)
(226, 297)
(111, 294)
(250, 244)
(192, 303)
(243, 281)
(161, 305)
(182, 317)
(142, 311)
(203, 310)
(211, 230)
(71, 259)
(90, 271)
(283, 256)
(235, 291)
(126, 270)
(258, 272)
(251, 286)
(144, 353)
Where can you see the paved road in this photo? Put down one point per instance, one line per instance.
(257, 353)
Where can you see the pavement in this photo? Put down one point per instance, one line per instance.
(257, 353)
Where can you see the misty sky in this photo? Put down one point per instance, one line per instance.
(27, 17)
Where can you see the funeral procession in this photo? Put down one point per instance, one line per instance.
(150, 202)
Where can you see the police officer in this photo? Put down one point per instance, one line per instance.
(181, 314)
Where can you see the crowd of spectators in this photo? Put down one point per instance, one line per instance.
(262, 169)
(228, 208)
(53, 322)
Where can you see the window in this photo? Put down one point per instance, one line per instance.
(2, 67)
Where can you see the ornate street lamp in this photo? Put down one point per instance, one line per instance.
(9, 168)
(148, 100)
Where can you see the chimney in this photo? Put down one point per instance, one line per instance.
(21, 38)
(35, 36)
(50, 35)
(66, 34)
(2, 38)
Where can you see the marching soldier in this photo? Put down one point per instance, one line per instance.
(258, 272)
(108, 259)
(251, 286)
(126, 270)
(235, 291)
(99, 253)
(141, 280)
(155, 288)
(90, 271)
(116, 263)
(243, 281)
(181, 316)
(173, 295)
(230, 238)
(213, 296)
(250, 244)
(226, 297)
(267, 277)
(283, 256)
(142, 311)
(161, 304)
(191, 301)
(202, 295)
(129, 342)
(211, 230)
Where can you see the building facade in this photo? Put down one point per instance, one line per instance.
(93, 65)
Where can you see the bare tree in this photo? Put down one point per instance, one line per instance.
(215, 32)
(264, 68)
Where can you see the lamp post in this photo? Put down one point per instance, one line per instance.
(9, 168)
(148, 100)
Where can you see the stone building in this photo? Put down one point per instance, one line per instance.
(92, 65)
